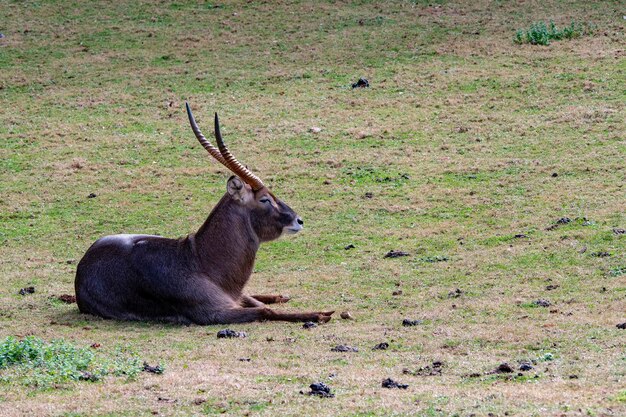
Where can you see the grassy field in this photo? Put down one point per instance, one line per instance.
(465, 152)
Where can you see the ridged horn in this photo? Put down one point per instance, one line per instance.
(234, 165)
(215, 153)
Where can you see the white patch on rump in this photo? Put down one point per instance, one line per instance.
(122, 239)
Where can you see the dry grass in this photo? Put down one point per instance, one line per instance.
(457, 141)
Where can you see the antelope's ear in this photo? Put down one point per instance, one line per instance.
(239, 190)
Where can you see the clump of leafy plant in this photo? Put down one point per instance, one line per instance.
(541, 33)
(34, 362)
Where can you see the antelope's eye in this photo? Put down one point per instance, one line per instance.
(264, 200)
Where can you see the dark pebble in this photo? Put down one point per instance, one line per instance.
(26, 290)
(554, 175)
(395, 254)
(92, 195)
(344, 348)
(228, 333)
(362, 83)
(152, 369)
(542, 303)
(309, 325)
(390, 383)
(525, 366)
(573, 377)
(381, 346)
(320, 389)
(350, 246)
(409, 323)
(455, 294)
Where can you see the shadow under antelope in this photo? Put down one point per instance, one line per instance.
(199, 278)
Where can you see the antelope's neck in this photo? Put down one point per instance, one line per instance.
(226, 246)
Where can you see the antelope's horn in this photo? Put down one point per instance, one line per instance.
(203, 141)
(232, 163)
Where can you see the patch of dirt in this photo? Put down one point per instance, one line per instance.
(390, 383)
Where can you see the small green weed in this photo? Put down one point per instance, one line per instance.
(541, 33)
(34, 362)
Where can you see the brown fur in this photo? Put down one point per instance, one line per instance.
(197, 279)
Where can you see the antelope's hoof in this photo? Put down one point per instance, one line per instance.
(324, 317)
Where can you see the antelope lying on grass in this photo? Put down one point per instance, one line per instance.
(197, 279)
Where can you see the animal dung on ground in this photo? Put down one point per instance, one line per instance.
(390, 383)
(92, 195)
(621, 325)
(309, 325)
(346, 315)
(344, 348)
(455, 294)
(319, 389)
(362, 83)
(618, 231)
(153, 369)
(350, 246)
(396, 254)
(409, 323)
(428, 370)
(542, 303)
(228, 334)
(397, 292)
(381, 346)
(503, 368)
(26, 290)
(525, 366)
(67, 298)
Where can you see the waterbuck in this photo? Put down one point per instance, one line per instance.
(199, 278)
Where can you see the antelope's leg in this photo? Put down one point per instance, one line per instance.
(248, 301)
(245, 315)
(271, 299)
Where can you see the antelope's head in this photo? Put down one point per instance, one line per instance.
(268, 215)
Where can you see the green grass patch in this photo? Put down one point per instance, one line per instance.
(541, 33)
